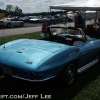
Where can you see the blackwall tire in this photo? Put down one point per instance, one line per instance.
(8, 25)
(22, 24)
(69, 73)
(1, 72)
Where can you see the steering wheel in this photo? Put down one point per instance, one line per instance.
(61, 39)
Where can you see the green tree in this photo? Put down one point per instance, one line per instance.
(13, 10)
(9, 9)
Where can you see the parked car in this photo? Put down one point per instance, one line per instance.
(59, 18)
(71, 17)
(62, 53)
(24, 19)
(36, 19)
(8, 22)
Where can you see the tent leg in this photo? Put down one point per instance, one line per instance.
(95, 19)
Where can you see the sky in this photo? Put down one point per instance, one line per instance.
(32, 6)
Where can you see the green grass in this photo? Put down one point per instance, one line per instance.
(86, 86)
(13, 37)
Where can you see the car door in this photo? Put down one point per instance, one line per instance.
(12, 22)
(89, 52)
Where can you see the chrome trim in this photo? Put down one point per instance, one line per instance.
(82, 69)
(83, 52)
(34, 80)
(71, 54)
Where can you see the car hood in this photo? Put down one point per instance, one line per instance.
(31, 53)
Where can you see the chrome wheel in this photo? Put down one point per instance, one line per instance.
(70, 74)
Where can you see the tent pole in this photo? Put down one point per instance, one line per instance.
(66, 19)
(95, 19)
(50, 10)
(85, 19)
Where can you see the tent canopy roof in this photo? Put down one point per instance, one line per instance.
(79, 5)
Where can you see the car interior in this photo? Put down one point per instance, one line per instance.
(69, 36)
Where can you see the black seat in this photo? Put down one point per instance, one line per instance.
(77, 41)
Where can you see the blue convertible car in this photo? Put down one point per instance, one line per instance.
(62, 53)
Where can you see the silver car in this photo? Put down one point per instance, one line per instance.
(9, 22)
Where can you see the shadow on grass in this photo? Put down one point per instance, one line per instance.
(55, 89)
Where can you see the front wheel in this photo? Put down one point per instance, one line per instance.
(22, 24)
(69, 73)
(1, 72)
(9, 25)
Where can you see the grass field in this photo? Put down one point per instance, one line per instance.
(86, 86)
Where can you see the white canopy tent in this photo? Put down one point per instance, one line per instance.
(83, 6)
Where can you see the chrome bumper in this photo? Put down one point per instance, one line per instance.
(34, 80)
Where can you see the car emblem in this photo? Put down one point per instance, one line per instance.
(20, 51)
(28, 62)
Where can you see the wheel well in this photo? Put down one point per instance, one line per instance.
(8, 23)
(22, 23)
(98, 55)
(1, 71)
(75, 62)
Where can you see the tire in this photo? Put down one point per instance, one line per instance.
(22, 24)
(8, 25)
(69, 73)
(1, 72)
(98, 56)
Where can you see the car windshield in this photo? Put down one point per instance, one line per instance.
(67, 35)
(71, 32)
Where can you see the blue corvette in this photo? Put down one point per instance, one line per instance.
(62, 53)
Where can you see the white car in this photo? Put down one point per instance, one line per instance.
(9, 22)
(36, 19)
(71, 16)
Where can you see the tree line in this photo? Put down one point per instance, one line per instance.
(16, 11)
(12, 10)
